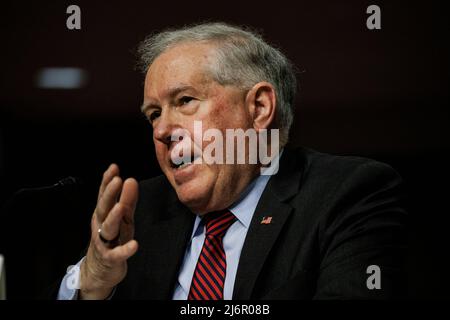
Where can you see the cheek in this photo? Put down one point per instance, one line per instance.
(160, 152)
(231, 114)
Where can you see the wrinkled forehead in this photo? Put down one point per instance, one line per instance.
(187, 63)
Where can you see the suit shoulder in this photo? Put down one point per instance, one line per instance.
(334, 168)
(331, 184)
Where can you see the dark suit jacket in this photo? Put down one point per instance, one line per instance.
(332, 217)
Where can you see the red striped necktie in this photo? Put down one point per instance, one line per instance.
(209, 275)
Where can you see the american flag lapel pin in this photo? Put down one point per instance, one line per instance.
(266, 220)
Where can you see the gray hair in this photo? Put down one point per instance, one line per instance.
(243, 59)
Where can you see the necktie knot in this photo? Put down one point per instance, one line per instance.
(217, 223)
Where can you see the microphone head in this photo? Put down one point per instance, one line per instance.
(67, 181)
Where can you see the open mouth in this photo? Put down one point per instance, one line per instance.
(183, 162)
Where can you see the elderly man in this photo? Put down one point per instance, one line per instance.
(310, 226)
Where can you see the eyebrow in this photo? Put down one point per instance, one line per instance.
(172, 92)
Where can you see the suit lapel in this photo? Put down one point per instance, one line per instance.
(172, 236)
(261, 237)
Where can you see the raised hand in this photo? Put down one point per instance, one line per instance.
(112, 232)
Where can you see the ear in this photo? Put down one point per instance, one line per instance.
(261, 103)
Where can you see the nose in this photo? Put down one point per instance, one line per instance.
(169, 131)
(162, 130)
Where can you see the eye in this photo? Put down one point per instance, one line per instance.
(154, 115)
(185, 100)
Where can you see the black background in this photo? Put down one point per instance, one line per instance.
(376, 93)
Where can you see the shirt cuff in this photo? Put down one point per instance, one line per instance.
(70, 285)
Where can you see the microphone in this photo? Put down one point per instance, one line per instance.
(67, 181)
(64, 182)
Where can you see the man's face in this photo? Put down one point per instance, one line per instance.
(178, 91)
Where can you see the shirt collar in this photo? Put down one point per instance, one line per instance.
(245, 206)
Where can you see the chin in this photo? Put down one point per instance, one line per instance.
(194, 196)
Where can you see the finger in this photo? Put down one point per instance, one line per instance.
(108, 199)
(111, 226)
(108, 175)
(122, 253)
(129, 198)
